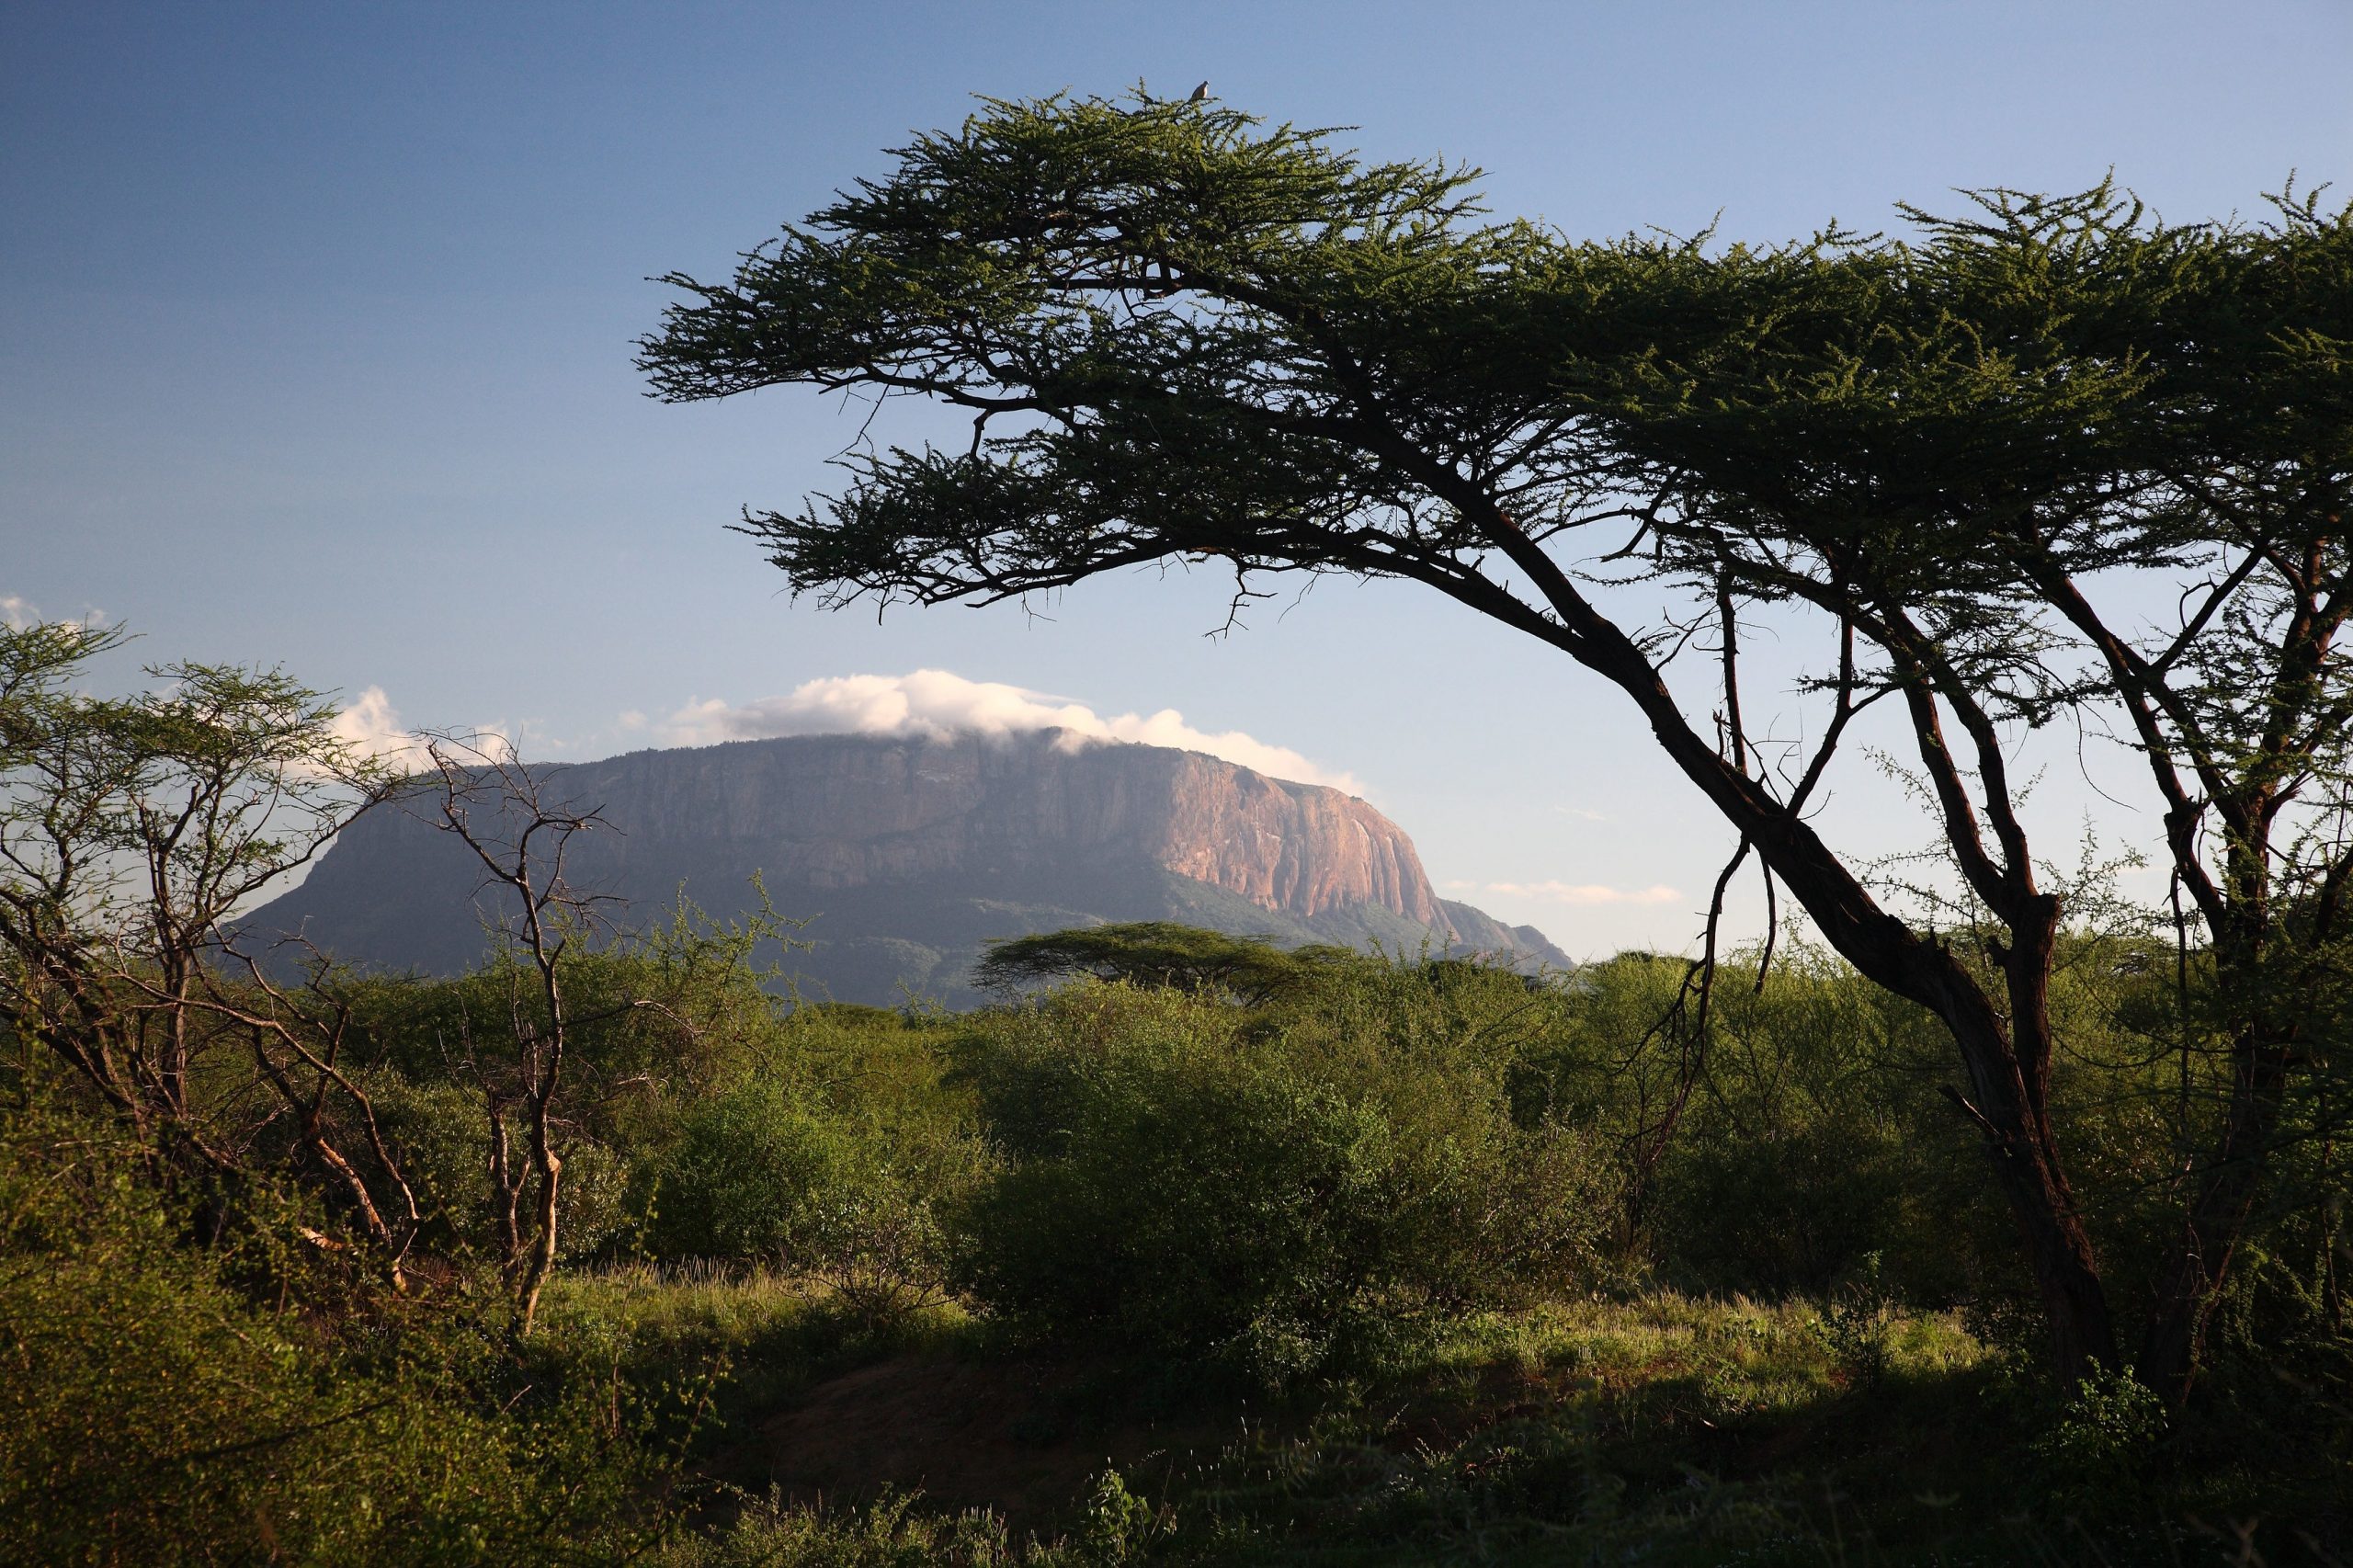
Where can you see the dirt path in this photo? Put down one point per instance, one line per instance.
(1024, 1438)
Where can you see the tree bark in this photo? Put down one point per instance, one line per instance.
(549, 1166)
(2215, 1218)
(2008, 1103)
(506, 1189)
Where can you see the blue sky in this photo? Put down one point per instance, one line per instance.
(315, 328)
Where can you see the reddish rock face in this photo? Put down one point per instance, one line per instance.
(1300, 848)
(846, 812)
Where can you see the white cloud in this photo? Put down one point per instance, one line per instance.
(1586, 892)
(936, 704)
(373, 727)
(19, 613)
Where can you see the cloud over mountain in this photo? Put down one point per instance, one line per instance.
(373, 727)
(937, 704)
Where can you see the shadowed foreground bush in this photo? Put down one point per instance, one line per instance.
(897, 1532)
(152, 1410)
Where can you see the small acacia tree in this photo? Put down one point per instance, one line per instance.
(1183, 336)
(133, 830)
(1251, 969)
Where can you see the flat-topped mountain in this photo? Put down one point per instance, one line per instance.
(910, 854)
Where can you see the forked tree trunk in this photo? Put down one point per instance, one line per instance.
(2191, 1278)
(2010, 1109)
(2007, 1062)
(2008, 1093)
(549, 1166)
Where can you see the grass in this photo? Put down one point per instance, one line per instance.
(1663, 1427)
(1652, 1428)
(761, 1339)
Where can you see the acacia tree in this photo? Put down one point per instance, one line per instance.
(2059, 461)
(2239, 700)
(133, 830)
(1250, 970)
(1181, 336)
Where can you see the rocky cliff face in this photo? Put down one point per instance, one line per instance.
(842, 812)
(911, 855)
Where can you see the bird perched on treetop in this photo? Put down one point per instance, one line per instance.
(1199, 93)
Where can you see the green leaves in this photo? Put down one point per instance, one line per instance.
(133, 830)
(214, 779)
(1184, 333)
(1157, 314)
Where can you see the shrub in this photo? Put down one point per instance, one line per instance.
(1787, 1213)
(2105, 1435)
(1812, 1137)
(896, 1531)
(438, 1132)
(756, 1176)
(157, 1408)
(1180, 1189)
(892, 1533)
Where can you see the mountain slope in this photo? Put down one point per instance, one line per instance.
(909, 855)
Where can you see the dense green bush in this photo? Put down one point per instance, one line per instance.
(438, 1132)
(1178, 1187)
(1812, 1135)
(256, 1402)
(756, 1176)
(753, 1177)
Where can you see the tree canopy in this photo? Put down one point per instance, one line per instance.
(1153, 952)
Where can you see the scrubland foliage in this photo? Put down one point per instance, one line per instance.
(1489, 1264)
(260, 1399)
(1191, 1180)
(1401, 1176)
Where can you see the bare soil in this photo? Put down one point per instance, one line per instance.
(1024, 1438)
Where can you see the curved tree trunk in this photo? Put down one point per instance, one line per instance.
(2009, 1072)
